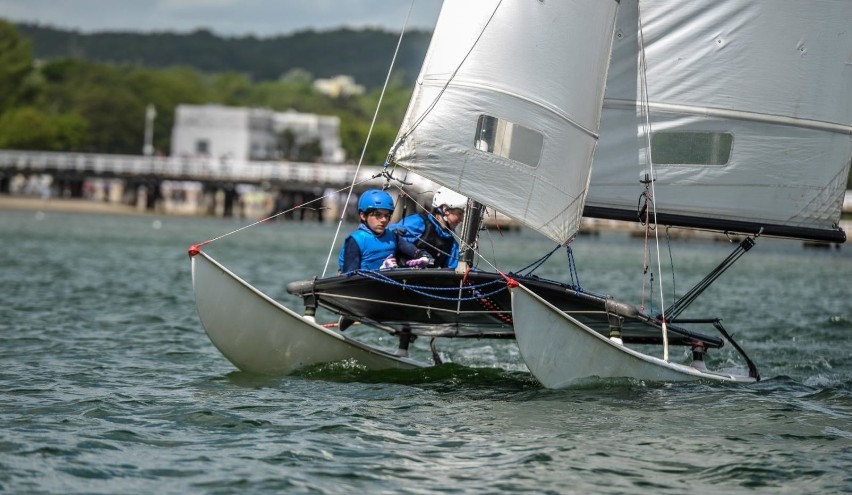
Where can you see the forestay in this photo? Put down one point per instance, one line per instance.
(506, 109)
(751, 115)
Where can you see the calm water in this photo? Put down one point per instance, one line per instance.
(108, 383)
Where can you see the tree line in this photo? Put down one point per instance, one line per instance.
(363, 54)
(66, 91)
(69, 103)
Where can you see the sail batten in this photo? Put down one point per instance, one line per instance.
(732, 114)
(542, 105)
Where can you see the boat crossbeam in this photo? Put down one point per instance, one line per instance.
(681, 304)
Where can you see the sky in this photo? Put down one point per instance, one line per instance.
(262, 18)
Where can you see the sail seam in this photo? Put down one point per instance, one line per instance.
(536, 103)
(732, 114)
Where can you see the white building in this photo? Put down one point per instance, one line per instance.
(339, 86)
(256, 134)
(308, 127)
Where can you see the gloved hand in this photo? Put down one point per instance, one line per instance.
(429, 258)
(421, 262)
(389, 262)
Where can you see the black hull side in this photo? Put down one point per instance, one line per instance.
(474, 304)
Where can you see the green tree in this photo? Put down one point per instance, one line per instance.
(65, 82)
(101, 96)
(116, 118)
(166, 89)
(72, 132)
(380, 143)
(16, 61)
(353, 132)
(292, 92)
(101, 108)
(231, 88)
(27, 128)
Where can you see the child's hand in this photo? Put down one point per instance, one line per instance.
(421, 262)
(389, 262)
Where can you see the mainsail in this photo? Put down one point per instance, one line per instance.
(507, 106)
(750, 109)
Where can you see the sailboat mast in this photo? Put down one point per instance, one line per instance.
(470, 234)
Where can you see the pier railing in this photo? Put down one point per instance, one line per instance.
(182, 168)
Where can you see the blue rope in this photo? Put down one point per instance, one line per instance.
(537, 263)
(421, 289)
(475, 289)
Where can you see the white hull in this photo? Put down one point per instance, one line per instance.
(559, 350)
(259, 335)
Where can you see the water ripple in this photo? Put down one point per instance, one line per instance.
(109, 384)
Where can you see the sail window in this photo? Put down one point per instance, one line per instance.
(692, 148)
(508, 140)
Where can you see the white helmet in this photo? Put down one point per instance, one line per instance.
(450, 198)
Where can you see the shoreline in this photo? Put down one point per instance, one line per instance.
(79, 205)
(72, 205)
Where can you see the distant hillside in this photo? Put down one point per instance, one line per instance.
(363, 54)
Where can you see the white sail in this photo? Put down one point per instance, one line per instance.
(507, 106)
(751, 112)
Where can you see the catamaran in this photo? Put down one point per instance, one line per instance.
(725, 115)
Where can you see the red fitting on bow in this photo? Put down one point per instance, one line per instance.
(196, 248)
(510, 282)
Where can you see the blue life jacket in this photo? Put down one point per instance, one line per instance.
(424, 231)
(374, 249)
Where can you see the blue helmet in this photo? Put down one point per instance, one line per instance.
(375, 199)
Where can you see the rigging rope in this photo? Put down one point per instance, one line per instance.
(643, 210)
(572, 268)
(196, 246)
(650, 161)
(404, 135)
(367, 141)
(671, 261)
(431, 106)
(354, 183)
(537, 263)
(681, 304)
(389, 176)
(574, 273)
(462, 244)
